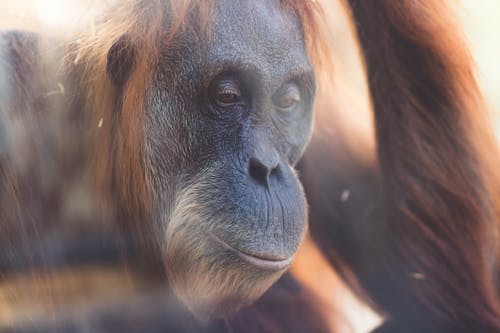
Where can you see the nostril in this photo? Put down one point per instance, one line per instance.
(259, 171)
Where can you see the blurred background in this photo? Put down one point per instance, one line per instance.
(481, 23)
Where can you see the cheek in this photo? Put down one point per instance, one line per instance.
(298, 142)
(168, 138)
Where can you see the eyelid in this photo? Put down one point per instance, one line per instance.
(228, 84)
(292, 89)
(227, 92)
(289, 92)
(288, 89)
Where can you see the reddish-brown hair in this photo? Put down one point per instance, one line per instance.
(423, 250)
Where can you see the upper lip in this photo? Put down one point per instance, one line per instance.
(267, 262)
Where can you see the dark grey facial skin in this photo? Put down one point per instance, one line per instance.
(229, 117)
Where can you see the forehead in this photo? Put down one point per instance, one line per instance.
(259, 32)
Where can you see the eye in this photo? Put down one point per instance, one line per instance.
(287, 98)
(226, 92)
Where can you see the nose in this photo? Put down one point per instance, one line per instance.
(264, 166)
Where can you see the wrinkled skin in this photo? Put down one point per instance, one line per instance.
(227, 122)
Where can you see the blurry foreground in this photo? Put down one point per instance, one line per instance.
(88, 285)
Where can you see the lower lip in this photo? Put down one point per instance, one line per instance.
(266, 264)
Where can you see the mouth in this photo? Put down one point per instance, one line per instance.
(262, 261)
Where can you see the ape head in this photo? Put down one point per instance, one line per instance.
(228, 116)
